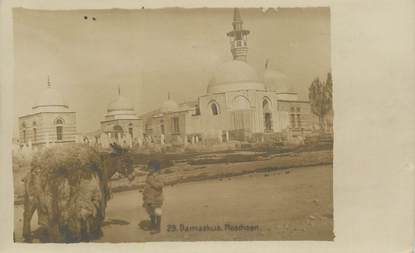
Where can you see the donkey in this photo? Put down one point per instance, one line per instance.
(53, 187)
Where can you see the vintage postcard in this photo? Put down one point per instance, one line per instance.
(194, 127)
(173, 124)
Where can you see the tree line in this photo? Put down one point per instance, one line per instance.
(321, 98)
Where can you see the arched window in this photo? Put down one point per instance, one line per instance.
(24, 135)
(298, 121)
(24, 132)
(59, 129)
(241, 103)
(130, 130)
(175, 125)
(162, 130)
(292, 120)
(59, 133)
(266, 107)
(118, 131)
(215, 110)
(213, 107)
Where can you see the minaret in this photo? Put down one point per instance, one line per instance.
(238, 38)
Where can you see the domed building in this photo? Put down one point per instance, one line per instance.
(169, 106)
(51, 120)
(168, 123)
(121, 119)
(238, 104)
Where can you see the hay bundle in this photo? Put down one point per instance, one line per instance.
(72, 193)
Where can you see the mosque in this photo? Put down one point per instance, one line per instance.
(238, 105)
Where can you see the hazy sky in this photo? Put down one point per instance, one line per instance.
(161, 50)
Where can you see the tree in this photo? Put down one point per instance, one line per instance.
(321, 98)
(329, 90)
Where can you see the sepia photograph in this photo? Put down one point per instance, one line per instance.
(173, 124)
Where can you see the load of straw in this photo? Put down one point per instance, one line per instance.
(71, 190)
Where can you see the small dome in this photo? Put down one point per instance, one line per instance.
(234, 75)
(50, 97)
(169, 106)
(120, 104)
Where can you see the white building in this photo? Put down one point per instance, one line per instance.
(121, 119)
(238, 104)
(51, 120)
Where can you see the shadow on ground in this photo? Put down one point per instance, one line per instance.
(115, 222)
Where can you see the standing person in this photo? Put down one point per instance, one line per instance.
(153, 194)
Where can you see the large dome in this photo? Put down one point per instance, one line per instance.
(120, 104)
(276, 81)
(49, 97)
(234, 75)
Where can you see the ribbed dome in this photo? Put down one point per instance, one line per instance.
(169, 106)
(234, 75)
(49, 97)
(120, 104)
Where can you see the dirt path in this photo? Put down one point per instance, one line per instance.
(293, 204)
(285, 206)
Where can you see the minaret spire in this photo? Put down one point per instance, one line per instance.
(49, 85)
(238, 37)
(236, 15)
(119, 90)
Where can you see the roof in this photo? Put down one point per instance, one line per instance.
(234, 75)
(50, 100)
(169, 106)
(120, 104)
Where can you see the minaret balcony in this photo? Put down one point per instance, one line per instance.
(238, 43)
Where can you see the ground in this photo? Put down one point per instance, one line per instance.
(291, 204)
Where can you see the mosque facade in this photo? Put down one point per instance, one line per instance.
(238, 104)
(51, 121)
